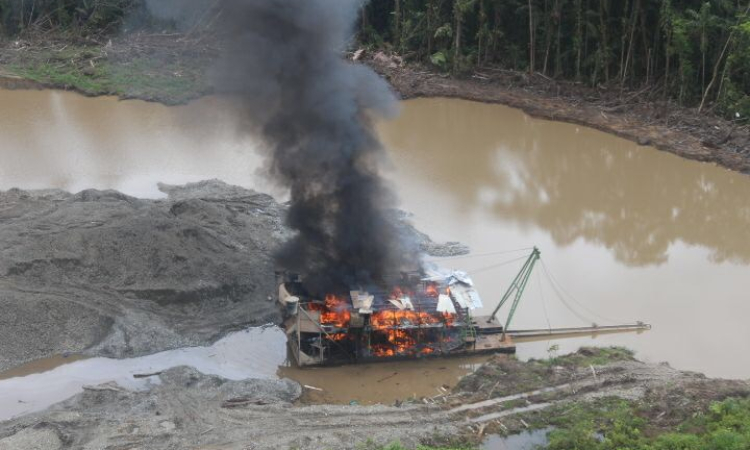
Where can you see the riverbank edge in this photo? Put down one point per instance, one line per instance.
(680, 131)
(517, 91)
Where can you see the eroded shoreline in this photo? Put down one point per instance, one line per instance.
(178, 73)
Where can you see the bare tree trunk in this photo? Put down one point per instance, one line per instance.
(430, 33)
(532, 49)
(703, 69)
(718, 63)
(586, 34)
(632, 43)
(480, 35)
(644, 38)
(721, 82)
(547, 37)
(666, 69)
(558, 50)
(496, 24)
(397, 25)
(31, 15)
(579, 37)
(457, 42)
(623, 39)
(604, 48)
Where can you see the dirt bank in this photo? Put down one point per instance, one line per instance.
(191, 410)
(664, 396)
(630, 115)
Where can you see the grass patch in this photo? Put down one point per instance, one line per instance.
(90, 71)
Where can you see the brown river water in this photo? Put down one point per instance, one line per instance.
(626, 232)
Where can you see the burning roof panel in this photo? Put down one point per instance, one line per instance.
(461, 287)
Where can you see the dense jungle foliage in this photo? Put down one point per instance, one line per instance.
(17, 16)
(696, 52)
(693, 51)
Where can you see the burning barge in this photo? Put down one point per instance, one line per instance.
(419, 317)
(423, 315)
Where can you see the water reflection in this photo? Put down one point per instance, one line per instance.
(574, 182)
(64, 140)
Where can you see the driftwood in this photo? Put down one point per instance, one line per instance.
(239, 402)
(112, 387)
(146, 375)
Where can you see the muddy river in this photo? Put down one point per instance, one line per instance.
(626, 232)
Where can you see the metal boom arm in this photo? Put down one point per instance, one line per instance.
(518, 285)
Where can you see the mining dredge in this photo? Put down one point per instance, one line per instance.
(422, 315)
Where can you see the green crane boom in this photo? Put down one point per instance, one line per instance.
(517, 287)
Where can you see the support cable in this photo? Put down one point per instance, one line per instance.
(562, 299)
(562, 290)
(544, 306)
(495, 266)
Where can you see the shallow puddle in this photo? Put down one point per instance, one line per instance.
(528, 440)
(385, 382)
(254, 353)
(40, 366)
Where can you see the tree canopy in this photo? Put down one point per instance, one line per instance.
(696, 52)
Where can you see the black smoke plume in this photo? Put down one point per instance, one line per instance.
(313, 111)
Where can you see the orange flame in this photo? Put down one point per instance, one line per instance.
(389, 324)
(336, 313)
(400, 343)
(389, 319)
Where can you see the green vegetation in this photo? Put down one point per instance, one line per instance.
(86, 69)
(617, 424)
(695, 52)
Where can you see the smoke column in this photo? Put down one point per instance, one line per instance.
(313, 112)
